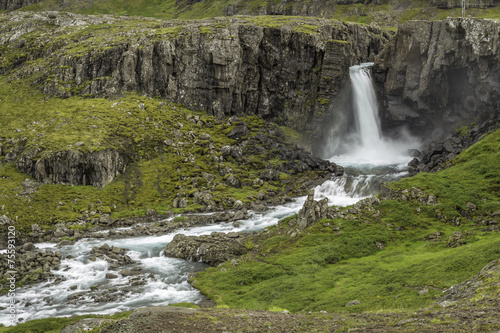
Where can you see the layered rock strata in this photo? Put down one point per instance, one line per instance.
(438, 75)
(287, 71)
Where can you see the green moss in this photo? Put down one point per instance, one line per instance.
(137, 127)
(186, 305)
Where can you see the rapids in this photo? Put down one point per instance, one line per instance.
(367, 156)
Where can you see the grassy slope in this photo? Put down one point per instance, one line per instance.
(403, 11)
(151, 182)
(322, 269)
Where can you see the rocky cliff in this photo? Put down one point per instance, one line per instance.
(441, 74)
(448, 4)
(16, 4)
(282, 69)
(73, 167)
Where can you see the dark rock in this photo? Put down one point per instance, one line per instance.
(238, 132)
(73, 167)
(312, 211)
(445, 72)
(269, 174)
(212, 249)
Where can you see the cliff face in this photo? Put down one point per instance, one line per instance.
(74, 167)
(448, 4)
(441, 74)
(16, 4)
(286, 70)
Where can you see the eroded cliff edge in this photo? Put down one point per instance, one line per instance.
(283, 69)
(440, 75)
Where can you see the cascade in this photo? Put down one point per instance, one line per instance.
(367, 156)
(365, 107)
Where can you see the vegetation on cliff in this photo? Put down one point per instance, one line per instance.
(174, 153)
(386, 13)
(398, 255)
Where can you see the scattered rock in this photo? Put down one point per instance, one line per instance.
(352, 303)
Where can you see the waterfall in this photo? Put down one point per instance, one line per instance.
(356, 136)
(365, 107)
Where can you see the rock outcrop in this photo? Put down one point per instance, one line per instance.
(436, 154)
(481, 289)
(286, 71)
(312, 211)
(212, 249)
(437, 75)
(450, 4)
(73, 167)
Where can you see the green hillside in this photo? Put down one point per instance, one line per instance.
(426, 248)
(391, 13)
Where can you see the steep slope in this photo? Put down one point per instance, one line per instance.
(397, 253)
(283, 69)
(442, 74)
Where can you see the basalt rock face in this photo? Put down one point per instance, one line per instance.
(288, 74)
(73, 167)
(450, 4)
(437, 75)
(16, 4)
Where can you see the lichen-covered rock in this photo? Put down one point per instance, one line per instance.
(482, 288)
(212, 249)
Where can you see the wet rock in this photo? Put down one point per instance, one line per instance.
(77, 295)
(127, 272)
(312, 211)
(426, 71)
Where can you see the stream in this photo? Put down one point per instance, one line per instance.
(159, 280)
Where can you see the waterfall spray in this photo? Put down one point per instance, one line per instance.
(364, 143)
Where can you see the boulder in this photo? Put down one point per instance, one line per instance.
(212, 249)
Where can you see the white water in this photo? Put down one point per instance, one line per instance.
(164, 280)
(366, 146)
